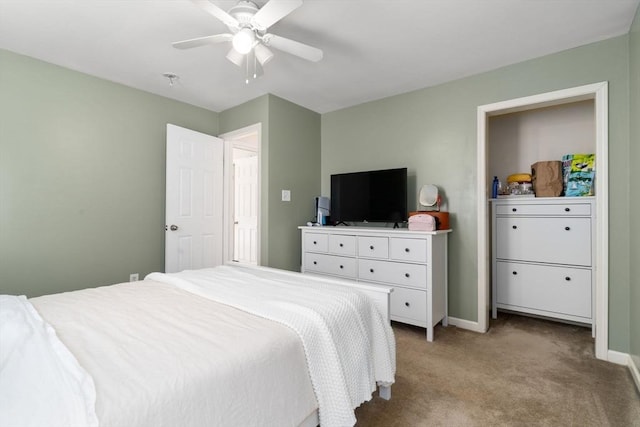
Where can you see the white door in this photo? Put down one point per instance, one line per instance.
(245, 229)
(194, 200)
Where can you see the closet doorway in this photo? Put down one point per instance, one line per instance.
(598, 93)
(242, 201)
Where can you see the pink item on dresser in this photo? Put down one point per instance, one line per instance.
(422, 222)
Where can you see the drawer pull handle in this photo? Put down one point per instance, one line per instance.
(567, 209)
(514, 210)
(567, 228)
(407, 275)
(515, 227)
(342, 266)
(407, 304)
(315, 262)
(406, 249)
(515, 273)
(371, 270)
(315, 243)
(341, 245)
(568, 279)
(371, 247)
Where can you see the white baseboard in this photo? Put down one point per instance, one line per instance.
(465, 324)
(625, 360)
(618, 358)
(635, 372)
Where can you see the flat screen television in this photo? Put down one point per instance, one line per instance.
(371, 196)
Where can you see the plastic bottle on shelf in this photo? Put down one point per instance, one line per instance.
(494, 190)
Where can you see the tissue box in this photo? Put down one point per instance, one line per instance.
(422, 222)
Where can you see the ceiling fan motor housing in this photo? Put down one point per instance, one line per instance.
(243, 12)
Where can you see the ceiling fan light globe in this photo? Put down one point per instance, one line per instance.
(243, 41)
(235, 57)
(263, 53)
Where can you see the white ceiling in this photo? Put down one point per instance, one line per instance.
(372, 48)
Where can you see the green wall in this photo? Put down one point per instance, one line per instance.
(634, 74)
(294, 154)
(82, 178)
(433, 132)
(290, 161)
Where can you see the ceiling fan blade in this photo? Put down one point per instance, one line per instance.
(293, 47)
(273, 11)
(202, 41)
(214, 10)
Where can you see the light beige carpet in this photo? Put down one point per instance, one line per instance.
(523, 372)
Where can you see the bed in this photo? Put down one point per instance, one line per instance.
(228, 346)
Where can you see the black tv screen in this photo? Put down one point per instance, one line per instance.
(371, 196)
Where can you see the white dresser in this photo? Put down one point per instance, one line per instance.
(543, 257)
(413, 262)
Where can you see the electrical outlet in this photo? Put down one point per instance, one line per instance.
(134, 277)
(286, 195)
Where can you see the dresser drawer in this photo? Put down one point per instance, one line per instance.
(408, 249)
(330, 264)
(409, 304)
(316, 242)
(568, 209)
(397, 273)
(341, 244)
(373, 247)
(562, 290)
(552, 240)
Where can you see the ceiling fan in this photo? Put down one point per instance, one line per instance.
(248, 25)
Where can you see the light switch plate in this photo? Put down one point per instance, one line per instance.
(286, 195)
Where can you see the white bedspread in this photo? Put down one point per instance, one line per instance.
(348, 345)
(41, 383)
(161, 356)
(230, 346)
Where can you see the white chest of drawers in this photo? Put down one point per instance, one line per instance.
(543, 257)
(413, 262)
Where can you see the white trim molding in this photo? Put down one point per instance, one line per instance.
(465, 324)
(599, 93)
(234, 139)
(618, 358)
(635, 372)
(625, 359)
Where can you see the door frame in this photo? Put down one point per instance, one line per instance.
(599, 93)
(254, 130)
